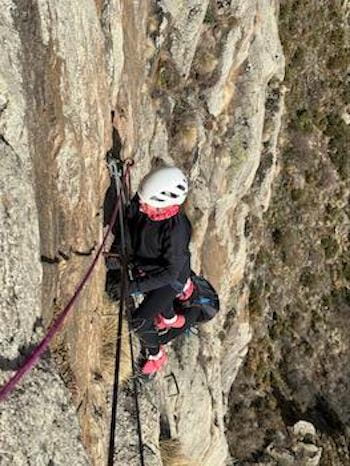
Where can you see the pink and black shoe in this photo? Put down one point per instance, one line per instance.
(162, 323)
(155, 363)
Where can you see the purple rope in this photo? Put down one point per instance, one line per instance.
(56, 325)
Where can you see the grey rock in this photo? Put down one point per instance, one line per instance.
(186, 21)
(64, 68)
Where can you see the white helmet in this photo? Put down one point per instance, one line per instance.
(164, 187)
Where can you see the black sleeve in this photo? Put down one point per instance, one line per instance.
(133, 212)
(130, 215)
(175, 254)
(109, 203)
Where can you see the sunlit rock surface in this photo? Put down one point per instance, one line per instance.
(199, 84)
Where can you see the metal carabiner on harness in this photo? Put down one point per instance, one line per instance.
(115, 167)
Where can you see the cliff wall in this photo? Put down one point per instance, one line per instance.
(195, 83)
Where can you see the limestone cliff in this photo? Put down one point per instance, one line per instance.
(297, 366)
(196, 83)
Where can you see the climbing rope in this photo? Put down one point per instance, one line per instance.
(123, 192)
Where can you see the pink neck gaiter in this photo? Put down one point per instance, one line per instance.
(159, 213)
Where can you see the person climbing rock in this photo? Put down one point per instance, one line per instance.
(159, 240)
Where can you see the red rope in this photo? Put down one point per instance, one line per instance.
(56, 325)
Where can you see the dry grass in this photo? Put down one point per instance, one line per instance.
(187, 135)
(172, 455)
(108, 347)
(205, 63)
(153, 24)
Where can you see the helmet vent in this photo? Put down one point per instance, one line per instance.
(180, 186)
(169, 194)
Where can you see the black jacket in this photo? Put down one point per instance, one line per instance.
(159, 248)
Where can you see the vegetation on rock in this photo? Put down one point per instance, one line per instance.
(297, 366)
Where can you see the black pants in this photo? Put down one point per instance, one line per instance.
(159, 301)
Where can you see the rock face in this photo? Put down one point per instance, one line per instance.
(211, 121)
(196, 83)
(54, 126)
(297, 364)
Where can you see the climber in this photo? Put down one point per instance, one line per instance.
(159, 238)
